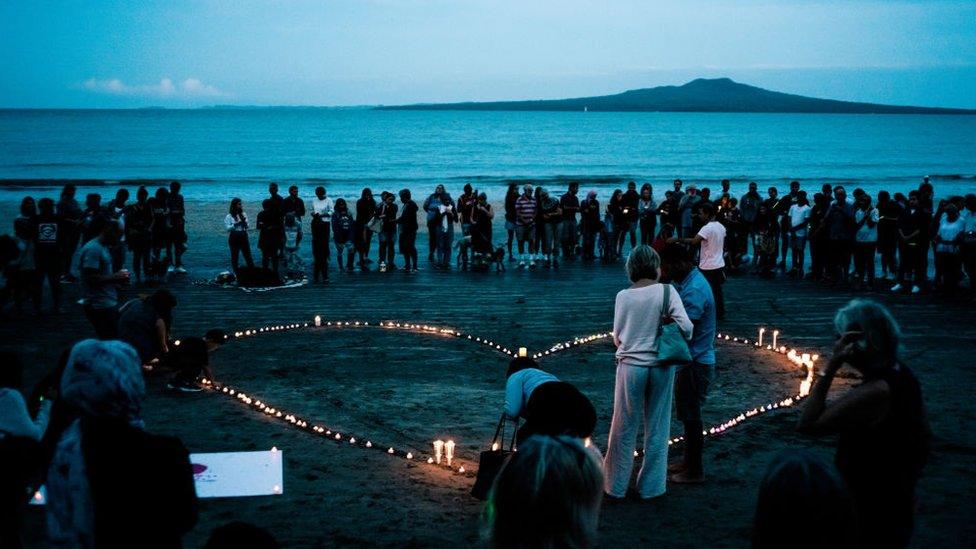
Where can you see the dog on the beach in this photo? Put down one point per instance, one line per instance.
(498, 258)
(463, 246)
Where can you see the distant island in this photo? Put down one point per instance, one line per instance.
(701, 95)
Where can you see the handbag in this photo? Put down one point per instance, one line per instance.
(374, 225)
(670, 345)
(491, 460)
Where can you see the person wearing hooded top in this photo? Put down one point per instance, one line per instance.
(365, 212)
(344, 234)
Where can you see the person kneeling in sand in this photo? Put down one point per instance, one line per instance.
(190, 357)
(549, 406)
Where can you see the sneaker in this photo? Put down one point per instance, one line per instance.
(184, 387)
(916, 289)
(181, 270)
(532, 264)
(896, 288)
(521, 265)
(415, 270)
(170, 269)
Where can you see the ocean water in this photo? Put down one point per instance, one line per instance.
(219, 153)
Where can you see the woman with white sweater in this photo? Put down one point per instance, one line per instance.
(644, 389)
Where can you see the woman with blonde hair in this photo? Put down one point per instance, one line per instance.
(547, 494)
(644, 387)
(883, 431)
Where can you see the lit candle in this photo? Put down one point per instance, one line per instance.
(523, 351)
(318, 321)
(449, 448)
(761, 332)
(438, 450)
(775, 335)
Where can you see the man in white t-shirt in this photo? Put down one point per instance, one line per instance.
(711, 238)
(799, 216)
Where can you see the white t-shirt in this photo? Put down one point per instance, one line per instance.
(712, 246)
(799, 215)
(323, 207)
(948, 232)
(865, 233)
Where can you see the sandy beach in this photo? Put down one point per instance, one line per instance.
(405, 390)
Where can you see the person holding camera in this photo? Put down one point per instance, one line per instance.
(884, 434)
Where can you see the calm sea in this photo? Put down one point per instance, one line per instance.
(221, 153)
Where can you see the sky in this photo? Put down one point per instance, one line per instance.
(107, 54)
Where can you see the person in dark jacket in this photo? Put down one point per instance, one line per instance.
(510, 216)
(344, 234)
(365, 212)
(177, 223)
(271, 235)
(138, 233)
(408, 231)
(884, 436)
(49, 250)
(841, 228)
(145, 324)
(69, 220)
(387, 213)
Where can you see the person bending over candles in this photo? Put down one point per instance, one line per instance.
(191, 358)
(884, 433)
(549, 406)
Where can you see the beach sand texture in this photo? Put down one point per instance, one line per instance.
(406, 390)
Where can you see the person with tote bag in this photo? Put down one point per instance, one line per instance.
(650, 331)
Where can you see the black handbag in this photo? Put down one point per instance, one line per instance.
(491, 460)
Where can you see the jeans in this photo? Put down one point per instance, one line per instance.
(642, 395)
(798, 246)
(568, 239)
(445, 238)
(715, 278)
(911, 263)
(549, 232)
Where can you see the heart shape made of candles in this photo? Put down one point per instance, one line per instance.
(454, 463)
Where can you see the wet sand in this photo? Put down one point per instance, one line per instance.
(406, 390)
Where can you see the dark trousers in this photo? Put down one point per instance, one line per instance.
(888, 248)
(239, 245)
(648, 228)
(691, 383)
(49, 267)
(839, 259)
(104, 320)
(948, 265)
(911, 264)
(818, 257)
(432, 237)
(715, 278)
(320, 249)
(969, 263)
(864, 261)
(140, 259)
(71, 239)
(408, 248)
(589, 244)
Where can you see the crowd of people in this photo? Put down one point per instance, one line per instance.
(866, 498)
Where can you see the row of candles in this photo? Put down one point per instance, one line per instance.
(444, 451)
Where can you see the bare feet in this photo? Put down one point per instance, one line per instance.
(685, 477)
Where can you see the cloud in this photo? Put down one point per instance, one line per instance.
(190, 88)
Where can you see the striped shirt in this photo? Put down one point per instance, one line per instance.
(525, 210)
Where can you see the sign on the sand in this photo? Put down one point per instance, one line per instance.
(236, 474)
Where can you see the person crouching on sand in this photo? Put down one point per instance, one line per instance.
(549, 406)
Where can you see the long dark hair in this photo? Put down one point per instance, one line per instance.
(341, 206)
(232, 210)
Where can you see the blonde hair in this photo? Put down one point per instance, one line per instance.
(881, 332)
(643, 262)
(547, 494)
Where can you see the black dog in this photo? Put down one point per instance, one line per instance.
(498, 258)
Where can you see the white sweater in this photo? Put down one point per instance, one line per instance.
(636, 315)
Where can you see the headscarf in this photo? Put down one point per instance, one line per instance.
(102, 380)
(591, 195)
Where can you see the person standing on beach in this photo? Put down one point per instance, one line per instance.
(431, 205)
(446, 217)
(115, 209)
(322, 209)
(630, 216)
(749, 205)
(481, 218)
(889, 212)
(865, 241)
(947, 241)
(590, 224)
(138, 233)
(647, 214)
(407, 223)
(94, 217)
(177, 223)
(271, 235)
(968, 247)
(27, 283)
(711, 239)
(550, 219)
(344, 234)
(99, 284)
(799, 217)
(686, 208)
(465, 205)
(48, 251)
(817, 236)
(785, 222)
(236, 225)
(644, 389)
(570, 205)
(510, 217)
(768, 218)
(161, 226)
(841, 230)
(365, 212)
(691, 381)
(525, 225)
(69, 218)
(387, 213)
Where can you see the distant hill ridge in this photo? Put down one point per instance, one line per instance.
(700, 95)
